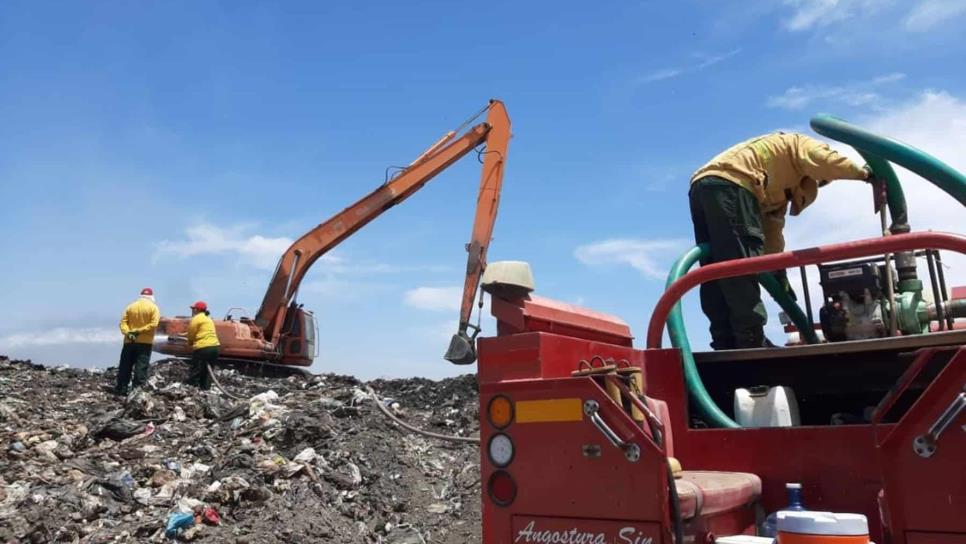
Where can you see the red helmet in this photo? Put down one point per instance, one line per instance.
(147, 291)
(200, 306)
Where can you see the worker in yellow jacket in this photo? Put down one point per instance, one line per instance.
(738, 205)
(138, 323)
(203, 339)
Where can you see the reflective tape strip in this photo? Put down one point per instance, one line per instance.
(549, 410)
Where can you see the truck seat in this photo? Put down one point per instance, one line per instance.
(705, 493)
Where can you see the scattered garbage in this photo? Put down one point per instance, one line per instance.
(178, 521)
(211, 516)
(118, 429)
(297, 460)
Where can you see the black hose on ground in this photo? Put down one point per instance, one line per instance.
(378, 401)
(218, 385)
(450, 438)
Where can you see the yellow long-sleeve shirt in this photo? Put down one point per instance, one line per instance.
(773, 164)
(201, 332)
(141, 316)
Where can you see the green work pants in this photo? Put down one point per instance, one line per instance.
(200, 360)
(134, 357)
(727, 218)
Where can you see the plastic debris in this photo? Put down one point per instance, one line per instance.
(299, 460)
(178, 521)
(118, 429)
(211, 516)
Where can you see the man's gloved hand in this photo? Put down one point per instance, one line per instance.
(131, 336)
(879, 192)
(782, 277)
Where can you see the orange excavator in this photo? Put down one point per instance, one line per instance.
(283, 333)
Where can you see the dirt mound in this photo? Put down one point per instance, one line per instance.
(298, 459)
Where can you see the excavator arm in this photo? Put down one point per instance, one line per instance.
(462, 350)
(301, 255)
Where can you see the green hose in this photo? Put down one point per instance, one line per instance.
(794, 312)
(878, 151)
(679, 337)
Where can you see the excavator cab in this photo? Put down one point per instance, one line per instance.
(297, 344)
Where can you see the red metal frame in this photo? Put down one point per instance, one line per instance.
(926, 495)
(790, 259)
(558, 488)
(869, 469)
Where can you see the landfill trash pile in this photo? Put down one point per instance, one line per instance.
(298, 459)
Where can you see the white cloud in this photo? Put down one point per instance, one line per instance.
(701, 61)
(808, 14)
(61, 335)
(707, 61)
(649, 257)
(929, 13)
(444, 299)
(335, 286)
(434, 298)
(658, 75)
(854, 94)
(438, 332)
(920, 15)
(263, 252)
(206, 239)
(889, 78)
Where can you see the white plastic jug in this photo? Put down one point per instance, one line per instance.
(765, 406)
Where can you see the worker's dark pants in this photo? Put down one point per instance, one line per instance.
(727, 217)
(134, 356)
(200, 359)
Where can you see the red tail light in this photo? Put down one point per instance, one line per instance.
(502, 488)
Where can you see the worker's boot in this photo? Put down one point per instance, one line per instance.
(752, 340)
(719, 343)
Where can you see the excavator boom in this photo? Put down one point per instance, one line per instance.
(302, 254)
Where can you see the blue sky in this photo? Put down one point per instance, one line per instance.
(181, 145)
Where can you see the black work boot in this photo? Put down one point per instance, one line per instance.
(721, 344)
(753, 340)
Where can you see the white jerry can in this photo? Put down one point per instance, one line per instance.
(765, 406)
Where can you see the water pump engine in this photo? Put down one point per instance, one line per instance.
(855, 307)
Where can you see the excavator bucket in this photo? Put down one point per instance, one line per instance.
(461, 350)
